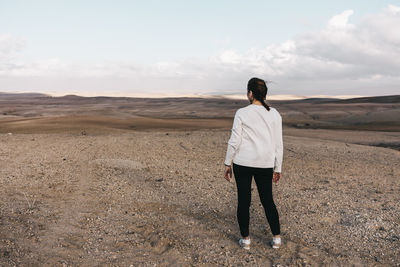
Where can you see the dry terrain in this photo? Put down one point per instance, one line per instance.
(139, 182)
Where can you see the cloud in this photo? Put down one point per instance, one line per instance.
(10, 48)
(10, 45)
(340, 21)
(341, 58)
(393, 9)
(341, 55)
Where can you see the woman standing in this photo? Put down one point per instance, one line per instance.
(255, 149)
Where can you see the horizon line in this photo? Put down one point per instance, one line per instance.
(166, 95)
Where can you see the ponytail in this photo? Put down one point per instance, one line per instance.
(265, 105)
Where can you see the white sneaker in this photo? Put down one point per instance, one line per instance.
(276, 242)
(244, 243)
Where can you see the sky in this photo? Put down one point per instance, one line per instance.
(187, 47)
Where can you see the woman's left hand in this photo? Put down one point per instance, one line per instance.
(276, 177)
(228, 173)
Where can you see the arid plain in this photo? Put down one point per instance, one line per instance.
(139, 182)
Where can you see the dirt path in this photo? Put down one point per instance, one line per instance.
(66, 236)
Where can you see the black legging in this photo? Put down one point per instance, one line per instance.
(263, 178)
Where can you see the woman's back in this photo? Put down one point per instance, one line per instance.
(256, 138)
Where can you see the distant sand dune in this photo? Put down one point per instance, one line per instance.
(379, 113)
(101, 124)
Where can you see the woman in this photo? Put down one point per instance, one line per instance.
(256, 149)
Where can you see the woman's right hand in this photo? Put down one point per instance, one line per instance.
(276, 177)
(228, 173)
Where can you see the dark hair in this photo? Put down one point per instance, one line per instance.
(259, 89)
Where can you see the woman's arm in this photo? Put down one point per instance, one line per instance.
(278, 146)
(235, 140)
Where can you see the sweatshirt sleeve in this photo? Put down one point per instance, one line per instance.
(235, 140)
(278, 146)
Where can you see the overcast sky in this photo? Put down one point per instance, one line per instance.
(185, 47)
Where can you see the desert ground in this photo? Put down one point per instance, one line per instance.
(139, 182)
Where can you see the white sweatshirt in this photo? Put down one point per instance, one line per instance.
(256, 139)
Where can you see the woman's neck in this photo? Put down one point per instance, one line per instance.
(256, 102)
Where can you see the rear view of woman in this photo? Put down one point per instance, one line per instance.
(255, 149)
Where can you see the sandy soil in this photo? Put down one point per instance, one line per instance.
(158, 198)
(139, 182)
